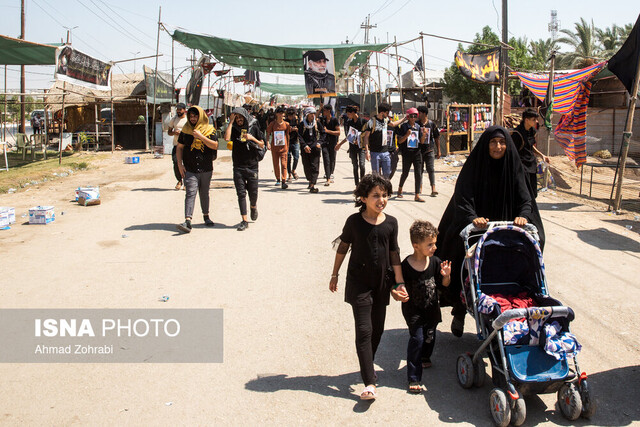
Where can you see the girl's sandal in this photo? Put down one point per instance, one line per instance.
(419, 199)
(369, 393)
(399, 195)
(414, 388)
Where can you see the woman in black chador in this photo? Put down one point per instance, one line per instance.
(491, 186)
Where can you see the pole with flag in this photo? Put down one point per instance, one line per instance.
(625, 64)
(546, 111)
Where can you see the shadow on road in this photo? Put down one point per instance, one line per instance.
(607, 240)
(166, 226)
(616, 393)
(558, 206)
(154, 189)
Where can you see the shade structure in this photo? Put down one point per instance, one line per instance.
(22, 52)
(285, 59)
(283, 89)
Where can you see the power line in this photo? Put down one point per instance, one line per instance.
(394, 13)
(108, 23)
(383, 6)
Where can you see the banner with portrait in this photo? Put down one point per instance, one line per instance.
(319, 73)
(77, 68)
(482, 67)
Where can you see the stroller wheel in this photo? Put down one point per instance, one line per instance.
(499, 406)
(569, 401)
(479, 373)
(518, 412)
(465, 371)
(588, 401)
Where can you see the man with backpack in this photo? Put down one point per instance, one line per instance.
(247, 150)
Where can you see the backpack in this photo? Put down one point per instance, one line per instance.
(255, 130)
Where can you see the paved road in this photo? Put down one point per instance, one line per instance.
(289, 356)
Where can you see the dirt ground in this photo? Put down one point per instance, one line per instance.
(289, 355)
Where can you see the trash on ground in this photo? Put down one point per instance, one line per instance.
(132, 159)
(41, 215)
(164, 298)
(602, 154)
(7, 216)
(124, 236)
(629, 227)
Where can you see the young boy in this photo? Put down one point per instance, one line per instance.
(423, 275)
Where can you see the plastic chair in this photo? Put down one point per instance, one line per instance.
(24, 143)
(4, 150)
(39, 142)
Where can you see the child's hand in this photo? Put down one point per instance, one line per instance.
(333, 284)
(445, 268)
(400, 294)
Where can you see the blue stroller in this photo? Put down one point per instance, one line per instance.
(530, 347)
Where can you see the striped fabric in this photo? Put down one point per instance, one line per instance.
(571, 98)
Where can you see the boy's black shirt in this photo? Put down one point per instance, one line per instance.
(422, 287)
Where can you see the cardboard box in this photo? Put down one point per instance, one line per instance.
(89, 197)
(7, 216)
(41, 215)
(132, 160)
(87, 188)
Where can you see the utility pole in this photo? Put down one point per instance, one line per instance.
(367, 26)
(22, 83)
(504, 62)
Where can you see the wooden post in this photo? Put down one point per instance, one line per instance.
(155, 81)
(626, 136)
(146, 123)
(551, 91)
(424, 71)
(113, 113)
(97, 126)
(4, 119)
(64, 92)
(395, 42)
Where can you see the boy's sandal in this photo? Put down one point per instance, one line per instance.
(419, 199)
(426, 365)
(434, 193)
(369, 393)
(399, 196)
(414, 387)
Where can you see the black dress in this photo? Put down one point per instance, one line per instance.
(489, 188)
(369, 261)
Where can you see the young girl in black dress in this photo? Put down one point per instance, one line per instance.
(373, 238)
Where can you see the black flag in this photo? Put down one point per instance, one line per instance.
(625, 62)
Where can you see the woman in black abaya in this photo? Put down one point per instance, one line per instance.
(491, 186)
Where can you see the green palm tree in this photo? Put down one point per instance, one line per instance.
(540, 52)
(610, 39)
(585, 45)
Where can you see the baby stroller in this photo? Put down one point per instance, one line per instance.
(524, 331)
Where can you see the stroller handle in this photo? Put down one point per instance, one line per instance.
(466, 232)
(516, 313)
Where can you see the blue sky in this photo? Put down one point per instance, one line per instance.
(118, 29)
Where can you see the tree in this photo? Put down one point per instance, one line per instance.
(540, 52)
(610, 40)
(585, 45)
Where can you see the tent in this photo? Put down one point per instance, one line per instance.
(285, 59)
(21, 52)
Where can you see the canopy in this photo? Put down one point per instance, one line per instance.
(21, 52)
(284, 89)
(285, 59)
